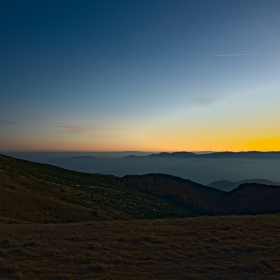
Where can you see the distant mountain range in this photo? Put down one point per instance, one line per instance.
(202, 168)
(182, 155)
(251, 154)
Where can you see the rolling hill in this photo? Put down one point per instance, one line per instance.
(202, 200)
(190, 195)
(250, 154)
(226, 185)
(43, 193)
(252, 199)
(61, 224)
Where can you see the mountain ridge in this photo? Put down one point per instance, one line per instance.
(43, 193)
(227, 185)
(226, 154)
(53, 194)
(246, 199)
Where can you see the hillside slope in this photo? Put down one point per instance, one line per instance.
(226, 185)
(43, 193)
(229, 247)
(251, 199)
(195, 197)
(203, 200)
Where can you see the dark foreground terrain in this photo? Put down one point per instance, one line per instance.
(61, 224)
(229, 247)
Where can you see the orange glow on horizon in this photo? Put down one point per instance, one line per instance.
(157, 140)
(270, 144)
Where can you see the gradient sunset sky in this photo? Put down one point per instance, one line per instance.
(155, 75)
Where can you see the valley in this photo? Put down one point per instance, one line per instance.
(62, 224)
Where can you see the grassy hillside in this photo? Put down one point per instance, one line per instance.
(202, 200)
(43, 193)
(252, 199)
(188, 194)
(229, 247)
(37, 241)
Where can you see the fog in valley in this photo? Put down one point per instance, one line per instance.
(203, 170)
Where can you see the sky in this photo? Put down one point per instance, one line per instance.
(149, 75)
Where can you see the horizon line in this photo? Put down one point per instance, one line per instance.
(220, 151)
(246, 54)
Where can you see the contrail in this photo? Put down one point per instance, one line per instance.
(246, 54)
(237, 54)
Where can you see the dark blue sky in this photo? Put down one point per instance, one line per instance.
(119, 75)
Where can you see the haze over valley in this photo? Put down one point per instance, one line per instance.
(203, 168)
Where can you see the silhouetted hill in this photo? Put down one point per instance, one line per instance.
(251, 199)
(130, 157)
(209, 191)
(173, 155)
(226, 185)
(250, 154)
(188, 194)
(43, 193)
(203, 200)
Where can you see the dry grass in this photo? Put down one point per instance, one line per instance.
(98, 246)
(232, 247)
(46, 194)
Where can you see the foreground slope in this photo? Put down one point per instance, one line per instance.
(221, 247)
(229, 247)
(43, 193)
